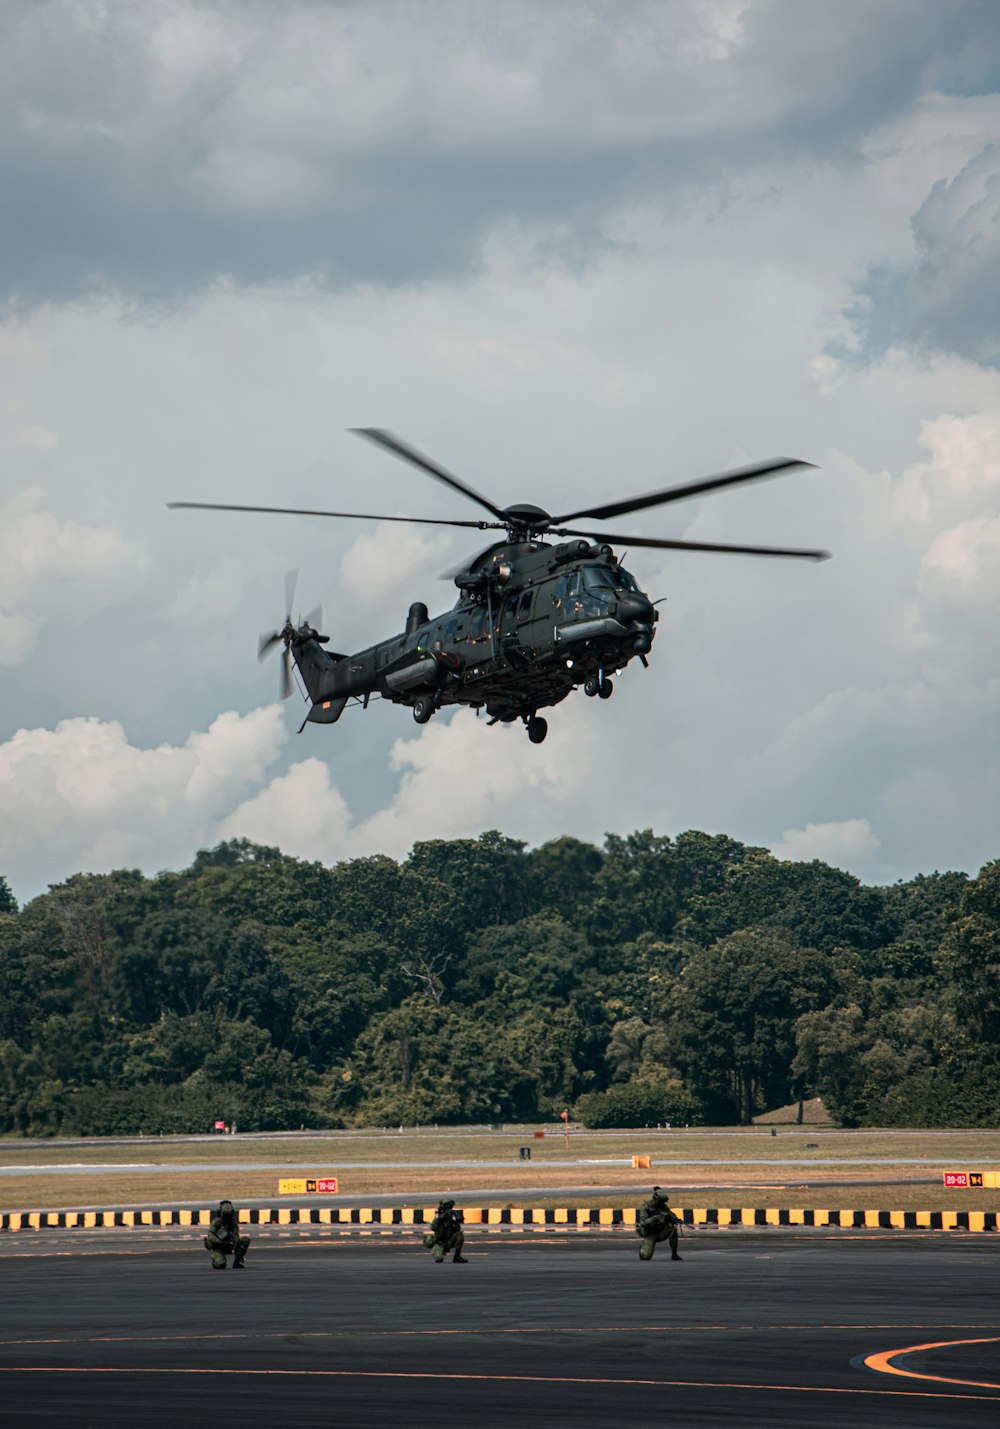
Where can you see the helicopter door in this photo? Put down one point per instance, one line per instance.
(516, 610)
(508, 617)
(567, 597)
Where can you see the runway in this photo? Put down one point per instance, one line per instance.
(753, 1327)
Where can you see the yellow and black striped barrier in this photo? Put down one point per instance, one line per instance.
(512, 1217)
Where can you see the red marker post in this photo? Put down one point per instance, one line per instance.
(564, 1118)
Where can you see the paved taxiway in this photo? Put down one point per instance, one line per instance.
(756, 1328)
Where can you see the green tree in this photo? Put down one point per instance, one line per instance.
(650, 1098)
(737, 1003)
(970, 954)
(421, 1062)
(8, 903)
(564, 870)
(488, 880)
(811, 904)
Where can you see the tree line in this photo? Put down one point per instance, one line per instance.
(688, 980)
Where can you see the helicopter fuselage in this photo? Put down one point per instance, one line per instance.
(532, 623)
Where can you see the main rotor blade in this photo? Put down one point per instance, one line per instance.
(794, 551)
(402, 449)
(286, 673)
(348, 515)
(467, 564)
(692, 488)
(291, 579)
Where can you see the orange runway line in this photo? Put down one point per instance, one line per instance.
(884, 1362)
(500, 1379)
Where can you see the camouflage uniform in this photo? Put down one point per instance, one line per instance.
(446, 1234)
(224, 1238)
(656, 1222)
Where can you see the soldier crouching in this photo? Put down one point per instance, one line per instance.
(224, 1238)
(446, 1234)
(656, 1222)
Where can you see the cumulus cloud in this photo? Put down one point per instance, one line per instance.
(383, 571)
(932, 282)
(842, 844)
(46, 562)
(82, 797)
(455, 776)
(300, 811)
(180, 142)
(956, 285)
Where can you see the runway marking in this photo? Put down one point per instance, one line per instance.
(884, 1362)
(505, 1379)
(487, 1330)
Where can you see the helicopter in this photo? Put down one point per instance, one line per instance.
(533, 621)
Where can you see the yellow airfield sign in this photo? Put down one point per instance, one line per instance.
(971, 1180)
(309, 1186)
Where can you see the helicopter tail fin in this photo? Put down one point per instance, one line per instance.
(325, 712)
(315, 665)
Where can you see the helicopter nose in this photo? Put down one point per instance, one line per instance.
(633, 608)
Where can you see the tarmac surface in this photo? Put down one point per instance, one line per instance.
(359, 1328)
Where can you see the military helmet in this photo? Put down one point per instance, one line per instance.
(226, 1206)
(446, 1205)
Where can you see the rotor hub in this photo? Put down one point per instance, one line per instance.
(524, 518)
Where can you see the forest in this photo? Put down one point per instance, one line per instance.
(654, 980)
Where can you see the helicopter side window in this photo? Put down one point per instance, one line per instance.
(573, 587)
(560, 594)
(477, 625)
(524, 608)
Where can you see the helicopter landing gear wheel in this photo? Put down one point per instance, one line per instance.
(423, 707)
(605, 689)
(591, 686)
(537, 729)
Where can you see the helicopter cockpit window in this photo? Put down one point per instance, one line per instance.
(608, 578)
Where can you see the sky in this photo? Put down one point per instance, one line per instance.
(572, 250)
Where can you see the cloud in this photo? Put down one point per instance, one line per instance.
(81, 797)
(181, 142)
(842, 844)
(956, 284)
(455, 776)
(300, 811)
(383, 571)
(47, 563)
(39, 439)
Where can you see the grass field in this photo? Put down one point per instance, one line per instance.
(797, 1166)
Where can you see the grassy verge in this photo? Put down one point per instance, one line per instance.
(747, 1167)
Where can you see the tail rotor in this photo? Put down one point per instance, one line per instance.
(289, 634)
(270, 638)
